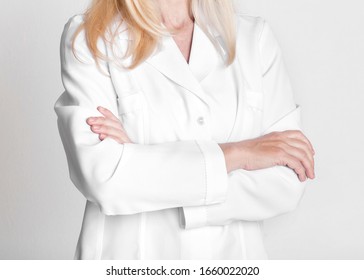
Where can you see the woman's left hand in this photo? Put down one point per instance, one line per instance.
(108, 126)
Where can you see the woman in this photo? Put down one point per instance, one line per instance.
(180, 130)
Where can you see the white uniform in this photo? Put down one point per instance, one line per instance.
(168, 195)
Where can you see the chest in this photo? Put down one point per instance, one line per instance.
(166, 99)
(222, 107)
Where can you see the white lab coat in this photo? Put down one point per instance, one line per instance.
(167, 195)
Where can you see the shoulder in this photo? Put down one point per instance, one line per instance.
(249, 25)
(76, 19)
(72, 24)
(256, 30)
(249, 19)
(74, 41)
(256, 44)
(70, 28)
(74, 49)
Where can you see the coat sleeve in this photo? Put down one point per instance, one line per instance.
(131, 177)
(260, 194)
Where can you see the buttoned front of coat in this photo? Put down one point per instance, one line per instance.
(168, 195)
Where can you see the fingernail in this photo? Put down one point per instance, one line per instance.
(95, 127)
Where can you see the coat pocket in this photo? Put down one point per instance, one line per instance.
(131, 114)
(130, 103)
(255, 100)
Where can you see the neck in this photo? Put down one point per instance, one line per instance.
(175, 13)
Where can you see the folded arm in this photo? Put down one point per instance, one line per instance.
(131, 177)
(255, 195)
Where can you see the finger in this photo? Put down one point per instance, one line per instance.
(298, 134)
(117, 134)
(107, 113)
(120, 139)
(296, 166)
(299, 144)
(108, 130)
(103, 136)
(103, 121)
(305, 139)
(300, 155)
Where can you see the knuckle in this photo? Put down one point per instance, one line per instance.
(296, 163)
(99, 120)
(286, 162)
(279, 135)
(300, 169)
(287, 132)
(294, 133)
(299, 134)
(274, 134)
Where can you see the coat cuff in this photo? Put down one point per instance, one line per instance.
(215, 171)
(216, 185)
(193, 217)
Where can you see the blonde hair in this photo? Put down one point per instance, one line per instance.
(143, 21)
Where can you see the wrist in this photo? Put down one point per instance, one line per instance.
(232, 153)
(242, 147)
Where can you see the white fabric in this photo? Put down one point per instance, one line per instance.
(167, 195)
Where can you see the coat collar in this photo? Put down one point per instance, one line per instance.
(169, 61)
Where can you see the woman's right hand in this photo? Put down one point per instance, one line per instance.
(289, 148)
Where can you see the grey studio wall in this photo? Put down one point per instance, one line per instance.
(323, 43)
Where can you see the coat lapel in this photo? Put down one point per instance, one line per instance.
(203, 57)
(168, 60)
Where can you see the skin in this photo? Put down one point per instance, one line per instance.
(289, 148)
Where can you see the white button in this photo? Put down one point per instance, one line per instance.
(201, 120)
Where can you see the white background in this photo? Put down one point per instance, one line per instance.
(323, 46)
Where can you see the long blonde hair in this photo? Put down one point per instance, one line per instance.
(143, 21)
